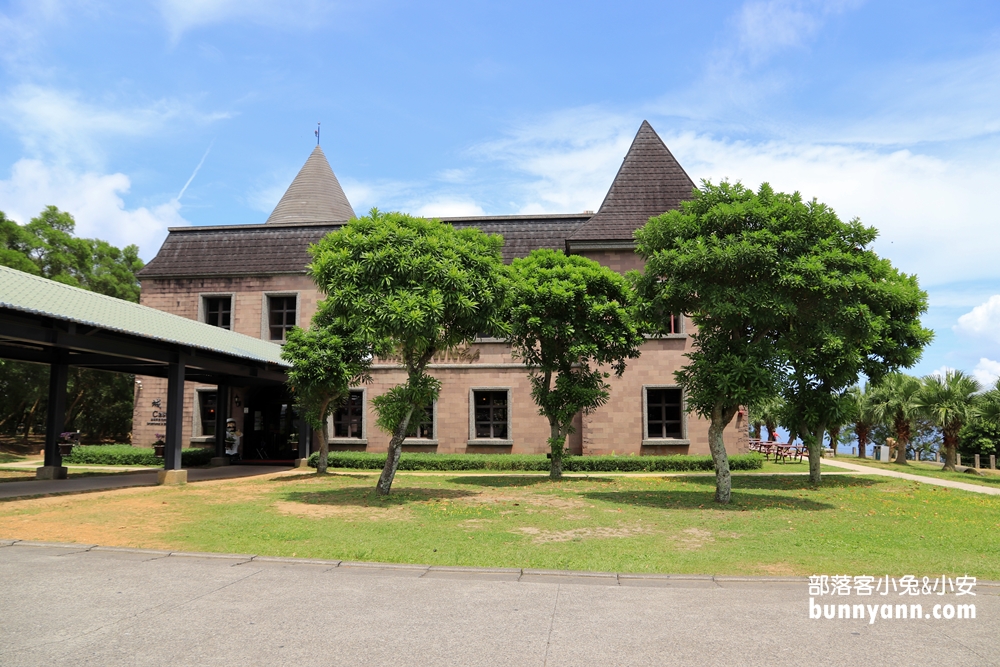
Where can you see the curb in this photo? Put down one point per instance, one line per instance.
(523, 574)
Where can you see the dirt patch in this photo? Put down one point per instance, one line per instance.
(348, 513)
(690, 539)
(547, 501)
(777, 569)
(599, 533)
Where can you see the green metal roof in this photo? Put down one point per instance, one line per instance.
(40, 296)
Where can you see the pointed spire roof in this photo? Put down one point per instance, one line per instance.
(314, 196)
(649, 182)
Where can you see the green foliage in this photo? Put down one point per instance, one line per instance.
(98, 404)
(537, 462)
(127, 455)
(949, 402)
(981, 434)
(569, 312)
(410, 287)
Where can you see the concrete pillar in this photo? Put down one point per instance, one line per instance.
(175, 425)
(958, 459)
(937, 457)
(221, 414)
(854, 451)
(975, 458)
(305, 437)
(993, 461)
(54, 422)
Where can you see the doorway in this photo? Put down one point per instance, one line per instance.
(270, 427)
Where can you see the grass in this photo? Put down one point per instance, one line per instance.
(931, 469)
(776, 525)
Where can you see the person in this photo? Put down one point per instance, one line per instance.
(233, 438)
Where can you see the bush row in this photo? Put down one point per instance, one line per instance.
(537, 462)
(127, 455)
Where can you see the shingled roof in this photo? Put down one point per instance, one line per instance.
(649, 182)
(284, 248)
(314, 196)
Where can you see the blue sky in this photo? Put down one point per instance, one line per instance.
(139, 116)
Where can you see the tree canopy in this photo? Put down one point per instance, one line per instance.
(569, 317)
(411, 287)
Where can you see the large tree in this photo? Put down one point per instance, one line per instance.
(863, 416)
(949, 401)
(718, 260)
(327, 360)
(895, 404)
(415, 287)
(98, 403)
(848, 312)
(569, 317)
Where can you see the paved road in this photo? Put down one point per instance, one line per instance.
(74, 606)
(868, 470)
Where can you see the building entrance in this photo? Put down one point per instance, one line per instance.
(270, 427)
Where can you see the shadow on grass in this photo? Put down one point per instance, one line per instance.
(784, 483)
(357, 496)
(306, 476)
(507, 481)
(697, 500)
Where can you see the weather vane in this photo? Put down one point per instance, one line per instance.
(317, 134)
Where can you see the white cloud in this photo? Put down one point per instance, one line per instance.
(987, 372)
(184, 15)
(94, 200)
(767, 26)
(982, 321)
(63, 126)
(447, 208)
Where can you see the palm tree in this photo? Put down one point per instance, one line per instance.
(863, 413)
(894, 402)
(767, 414)
(949, 402)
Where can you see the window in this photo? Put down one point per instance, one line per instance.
(281, 315)
(422, 424)
(207, 404)
(348, 420)
(218, 311)
(490, 414)
(675, 324)
(663, 413)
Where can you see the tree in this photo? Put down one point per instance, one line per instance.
(950, 401)
(98, 403)
(567, 313)
(845, 415)
(981, 435)
(327, 360)
(894, 402)
(769, 415)
(716, 259)
(413, 287)
(849, 312)
(863, 414)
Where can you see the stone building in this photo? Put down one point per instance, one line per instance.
(251, 279)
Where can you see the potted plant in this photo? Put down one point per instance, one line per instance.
(159, 445)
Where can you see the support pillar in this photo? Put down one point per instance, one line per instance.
(993, 461)
(975, 459)
(172, 472)
(221, 415)
(305, 437)
(55, 419)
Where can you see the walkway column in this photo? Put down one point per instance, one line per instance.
(54, 422)
(221, 414)
(172, 472)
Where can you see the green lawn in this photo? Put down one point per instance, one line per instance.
(775, 525)
(931, 469)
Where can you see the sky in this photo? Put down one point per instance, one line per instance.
(135, 117)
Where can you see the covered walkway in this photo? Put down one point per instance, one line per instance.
(46, 322)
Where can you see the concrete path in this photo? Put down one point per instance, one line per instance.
(38, 487)
(867, 470)
(75, 605)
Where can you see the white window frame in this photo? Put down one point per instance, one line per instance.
(433, 440)
(473, 440)
(265, 314)
(202, 311)
(363, 440)
(646, 440)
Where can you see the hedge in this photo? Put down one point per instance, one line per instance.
(537, 462)
(127, 455)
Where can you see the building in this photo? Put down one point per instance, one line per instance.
(251, 279)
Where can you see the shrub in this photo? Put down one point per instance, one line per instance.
(537, 462)
(127, 455)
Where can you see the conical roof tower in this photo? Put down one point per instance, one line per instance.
(314, 196)
(650, 182)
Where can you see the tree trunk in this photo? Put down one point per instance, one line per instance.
(395, 452)
(557, 443)
(30, 420)
(902, 439)
(717, 427)
(950, 447)
(834, 436)
(323, 446)
(862, 433)
(814, 443)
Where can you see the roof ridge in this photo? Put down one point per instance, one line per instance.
(314, 195)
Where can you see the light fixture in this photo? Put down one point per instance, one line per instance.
(236, 400)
